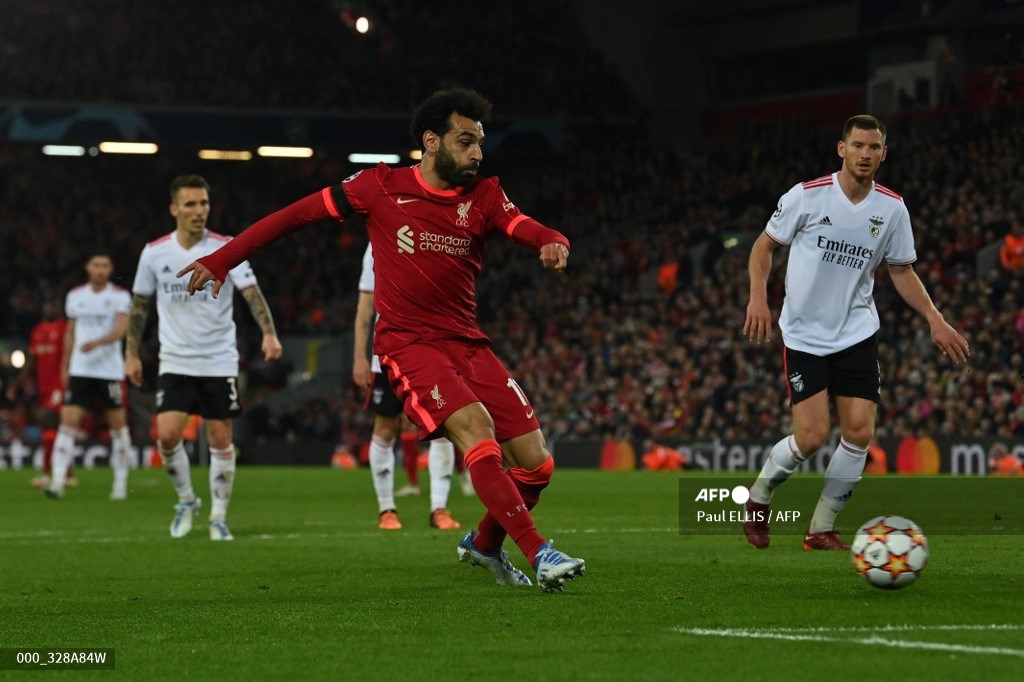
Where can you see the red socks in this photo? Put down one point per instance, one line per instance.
(502, 499)
(530, 482)
(410, 457)
(508, 492)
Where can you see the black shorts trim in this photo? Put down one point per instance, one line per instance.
(209, 397)
(86, 392)
(381, 399)
(852, 372)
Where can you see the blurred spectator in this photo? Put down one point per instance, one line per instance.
(661, 457)
(1011, 256)
(878, 460)
(1002, 462)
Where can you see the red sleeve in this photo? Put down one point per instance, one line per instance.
(311, 209)
(526, 230)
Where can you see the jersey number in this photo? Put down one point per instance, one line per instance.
(519, 392)
(114, 390)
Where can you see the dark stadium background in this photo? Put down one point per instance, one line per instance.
(656, 135)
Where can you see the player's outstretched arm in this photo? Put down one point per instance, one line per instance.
(215, 266)
(758, 324)
(911, 289)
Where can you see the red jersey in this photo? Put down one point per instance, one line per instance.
(427, 246)
(46, 344)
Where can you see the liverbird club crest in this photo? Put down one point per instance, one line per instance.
(463, 210)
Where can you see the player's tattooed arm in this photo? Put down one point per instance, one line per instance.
(261, 313)
(133, 338)
(259, 308)
(136, 324)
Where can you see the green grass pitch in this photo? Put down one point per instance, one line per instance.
(310, 589)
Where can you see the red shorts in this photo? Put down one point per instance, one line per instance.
(436, 379)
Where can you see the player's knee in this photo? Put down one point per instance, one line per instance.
(859, 434)
(539, 476)
(810, 439)
(167, 440)
(385, 428)
(219, 433)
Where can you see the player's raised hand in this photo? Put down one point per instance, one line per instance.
(951, 342)
(758, 325)
(554, 256)
(200, 276)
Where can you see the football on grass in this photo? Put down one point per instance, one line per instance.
(890, 552)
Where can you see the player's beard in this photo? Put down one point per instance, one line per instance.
(451, 172)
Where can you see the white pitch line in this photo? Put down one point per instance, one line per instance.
(871, 641)
(902, 628)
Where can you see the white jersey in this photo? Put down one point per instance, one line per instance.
(95, 313)
(197, 333)
(366, 282)
(835, 248)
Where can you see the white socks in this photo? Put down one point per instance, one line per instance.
(382, 466)
(63, 456)
(780, 464)
(177, 466)
(222, 480)
(120, 455)
(843, 473)
(441, 461)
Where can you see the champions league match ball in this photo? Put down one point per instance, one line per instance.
(890, 552)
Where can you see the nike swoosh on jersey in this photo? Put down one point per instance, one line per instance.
(529, 415)
(405, 201)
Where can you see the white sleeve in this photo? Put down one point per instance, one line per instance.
(124, 303)
(366, 280)
(242, 276)
(900, 249)
(67, 306)
(788, 218)
(145, 279)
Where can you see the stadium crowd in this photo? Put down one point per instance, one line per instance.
(277, 55)
(641, 337)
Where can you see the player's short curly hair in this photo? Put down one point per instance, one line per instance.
(436, 111)
(864, 122)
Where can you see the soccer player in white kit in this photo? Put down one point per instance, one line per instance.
(839, 228)
(387, 407)
(198, 351)
(97, 314)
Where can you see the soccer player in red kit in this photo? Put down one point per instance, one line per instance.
(427, 225)
(46, 359)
